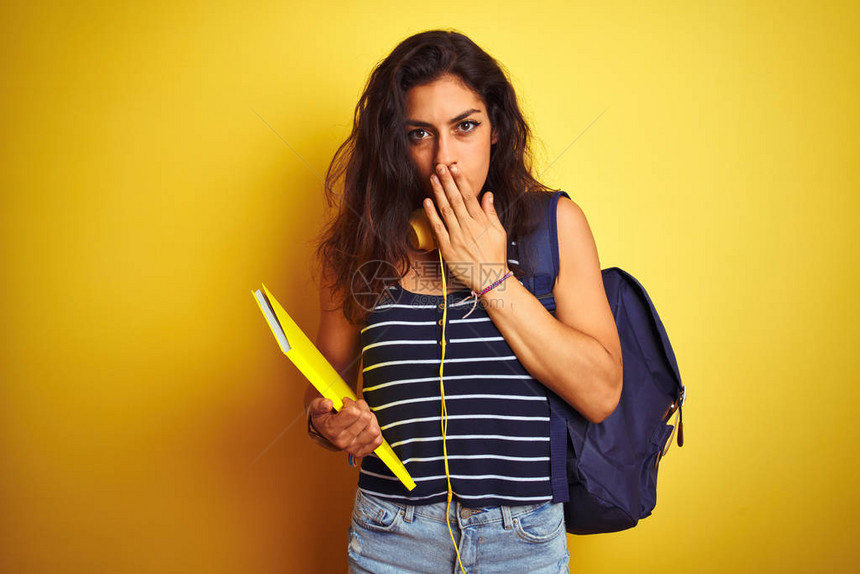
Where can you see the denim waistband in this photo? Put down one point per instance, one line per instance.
(460, 514)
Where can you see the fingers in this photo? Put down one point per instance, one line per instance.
(353, 429)
(440, 232)
(452, 188)
(460, 186)
(443, 202)
(366, 431)
(368, 437)
(319, 406)
(331, 423)
(488, 206)
(490, 209)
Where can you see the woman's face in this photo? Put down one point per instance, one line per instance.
(447, 123)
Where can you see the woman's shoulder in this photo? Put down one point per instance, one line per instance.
(576, 244)
(569, 213)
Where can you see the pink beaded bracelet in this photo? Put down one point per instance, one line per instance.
(494, 284)
(483, 291)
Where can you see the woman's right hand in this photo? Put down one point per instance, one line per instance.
(353, 428)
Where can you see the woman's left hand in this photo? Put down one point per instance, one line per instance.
(470, 235)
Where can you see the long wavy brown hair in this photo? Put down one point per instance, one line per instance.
(372, 185)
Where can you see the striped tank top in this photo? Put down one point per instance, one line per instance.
(498, 414)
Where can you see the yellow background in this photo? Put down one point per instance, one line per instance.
(159, 161)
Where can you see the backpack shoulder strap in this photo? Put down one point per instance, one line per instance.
(541, 249)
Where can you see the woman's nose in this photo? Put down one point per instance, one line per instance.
(443, 153)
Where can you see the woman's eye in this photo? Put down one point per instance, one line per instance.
(417, 134)
(469, 125)
(465, 126)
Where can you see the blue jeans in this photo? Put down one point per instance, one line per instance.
(387, 537)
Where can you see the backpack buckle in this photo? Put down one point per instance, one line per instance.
(676, 404)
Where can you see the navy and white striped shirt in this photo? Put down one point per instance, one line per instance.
(498, 415)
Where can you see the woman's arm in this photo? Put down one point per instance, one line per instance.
(577, 353)
(353, 429)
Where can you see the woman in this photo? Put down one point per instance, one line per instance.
(438, 128)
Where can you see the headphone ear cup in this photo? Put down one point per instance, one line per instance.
(420, 233)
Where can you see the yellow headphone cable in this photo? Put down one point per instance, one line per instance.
(445, 412)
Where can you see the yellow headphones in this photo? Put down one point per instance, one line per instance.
(420, 232)
(421, 237)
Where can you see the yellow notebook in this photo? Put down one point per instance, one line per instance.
(299, 349)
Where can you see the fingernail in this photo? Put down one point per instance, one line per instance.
(434, 178)
(440, 168)
(455, 169)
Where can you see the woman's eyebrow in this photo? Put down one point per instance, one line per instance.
(462, 116)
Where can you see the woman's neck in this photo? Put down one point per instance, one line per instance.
(425, 274)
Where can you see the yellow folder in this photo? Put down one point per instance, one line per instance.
(299, 349)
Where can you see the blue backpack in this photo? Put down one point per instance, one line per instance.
(606, 473)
